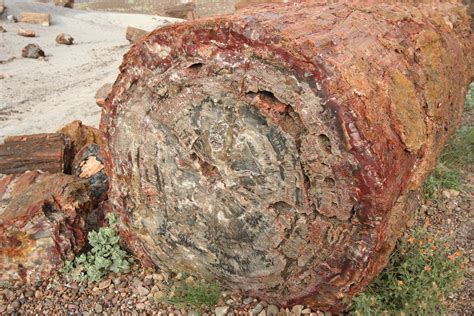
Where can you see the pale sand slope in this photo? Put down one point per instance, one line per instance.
(43, 95)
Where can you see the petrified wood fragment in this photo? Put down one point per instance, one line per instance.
(42, 220)
(278, 150)
(80, 135)
(89, 165)
(46, 152)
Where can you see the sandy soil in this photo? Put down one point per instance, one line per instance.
(43, 95)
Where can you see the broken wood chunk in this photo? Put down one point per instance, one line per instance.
(134, 34)
(64, 39)
(26, 33)
(278, 150)
(42, 223)
(35, 18)
(32, 51)
(46, 152)
(80, 135)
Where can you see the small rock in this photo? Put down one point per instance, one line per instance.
(221, 310)
(248, 300)
(2, 30)
(148, 282)
(306, 311)
(64, 39)
(3, 308)
(11, 19)
(32, 51)
(142, 291)
(193, 312)
(26, 33)
(98, 308)
(262, 313)
(446, 194)
(105, 284)
(296, 310)
(272, 310)
(141, 306)
(257, 309)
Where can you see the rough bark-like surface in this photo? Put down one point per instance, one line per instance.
(279, 150)
(47, 152)
(42, 223)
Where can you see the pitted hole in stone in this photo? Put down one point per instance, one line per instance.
(330, 182)
(281, 207)
(196, 66)
(325, 143)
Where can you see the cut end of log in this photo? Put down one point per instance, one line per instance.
(267, 149)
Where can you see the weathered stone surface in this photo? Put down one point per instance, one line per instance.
(32, 51)
(42, 220)
(279, 150)
(64, 39)
(35, 18)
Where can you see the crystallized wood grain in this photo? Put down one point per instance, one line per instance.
(46, 152)
(279, 150)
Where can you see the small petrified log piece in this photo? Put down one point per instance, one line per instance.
(64, 3)
(134, 34)
(26, 33)
(278, 149)
(46, 152)
(42, 220)
(80, 135)
(64, 39)
(32, 51)
(89, 165)
(35, 18)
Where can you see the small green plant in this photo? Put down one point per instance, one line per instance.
(421, 273)
(104, 256)
(469, 103)
(196, 294)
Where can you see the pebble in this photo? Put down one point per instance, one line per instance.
(64, 39)
(142, 291)
(221, 310)
(2, 30)
(105, 284)
(296, 310)
(193, 312)
(141, 306)
(262, 313)
(248, 300)
(272, 310)
(98, 308)
(11, 19)
(257, 309)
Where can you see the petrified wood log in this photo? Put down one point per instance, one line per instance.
(42, 223)
(279, 150)
(46, 152)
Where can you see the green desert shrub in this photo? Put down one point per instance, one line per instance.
(105, 255)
